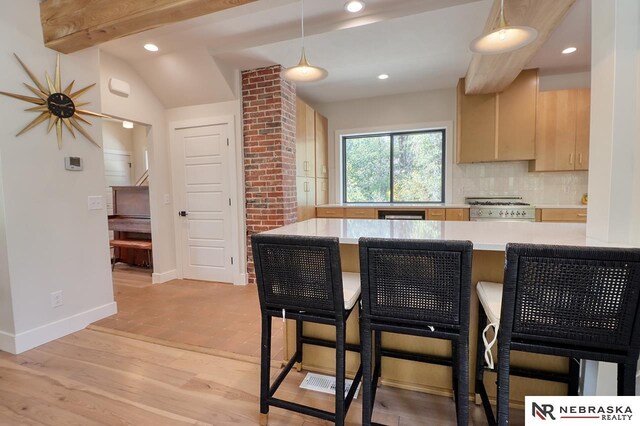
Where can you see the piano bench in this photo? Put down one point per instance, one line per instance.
(132, 244)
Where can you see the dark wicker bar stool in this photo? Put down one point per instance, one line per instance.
(420, 288)
(301, 278)
(577, 302)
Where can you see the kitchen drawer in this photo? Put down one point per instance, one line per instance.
(360, 213)
(457, 215)
(328, 212)
(436, 214)
(563, 215)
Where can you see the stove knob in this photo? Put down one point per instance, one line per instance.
(513, 213)
(501, 213)
(490, 213)
(518, 213)
(479, 212)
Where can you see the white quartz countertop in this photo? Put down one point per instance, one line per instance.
(560, 206)
(490, 236)
(395, 205)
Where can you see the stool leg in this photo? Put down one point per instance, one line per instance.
(461, 367)
(299, 344)
(378, 355)
(340, 372)
(504, 357)
(365, 359)
(574, 376)
(265, 365)
(454, 371)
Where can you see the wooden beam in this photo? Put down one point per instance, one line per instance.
(72, 25)
(494, 73)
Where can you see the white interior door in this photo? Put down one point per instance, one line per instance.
(202, 179)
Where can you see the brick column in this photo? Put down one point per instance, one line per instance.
(269, 130)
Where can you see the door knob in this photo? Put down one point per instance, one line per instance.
(182, 213)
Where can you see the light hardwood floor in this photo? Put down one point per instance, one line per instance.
(203, 316)
(93, 378)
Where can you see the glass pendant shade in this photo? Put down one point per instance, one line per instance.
(505, 38)
(304, 72)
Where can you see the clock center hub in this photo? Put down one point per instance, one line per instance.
(61, 105)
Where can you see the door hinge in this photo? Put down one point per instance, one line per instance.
(232, 260)
(229, 201)
(227, 141)
(129, 165)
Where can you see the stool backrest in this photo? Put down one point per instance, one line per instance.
(579, 296)
(416, 280)
(298, 273)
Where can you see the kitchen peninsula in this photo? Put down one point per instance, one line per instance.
(489, 240)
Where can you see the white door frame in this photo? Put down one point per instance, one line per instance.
(238, 248)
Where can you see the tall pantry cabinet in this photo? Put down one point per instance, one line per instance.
(312, 169)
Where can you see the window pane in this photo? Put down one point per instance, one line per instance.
(417, 167)
(367, 170)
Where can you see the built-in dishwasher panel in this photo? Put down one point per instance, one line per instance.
(401, 215)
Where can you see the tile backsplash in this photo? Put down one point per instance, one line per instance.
(514, 178)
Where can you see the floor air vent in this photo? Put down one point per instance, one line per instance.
(325, 384)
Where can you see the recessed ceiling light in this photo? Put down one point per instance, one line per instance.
(569, 50)
(151, 47)
(354, 6)
(127, 125)
(383, 76)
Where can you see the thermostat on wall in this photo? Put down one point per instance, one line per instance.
(73, 163)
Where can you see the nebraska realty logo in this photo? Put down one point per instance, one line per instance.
(582, 410)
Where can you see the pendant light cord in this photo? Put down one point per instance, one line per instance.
(503, 22)
(302, 21)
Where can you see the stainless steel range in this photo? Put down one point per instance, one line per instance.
(500, 208)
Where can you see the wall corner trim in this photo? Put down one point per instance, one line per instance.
(46, 333)
(163, 277)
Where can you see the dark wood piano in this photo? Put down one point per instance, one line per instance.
(131, 225)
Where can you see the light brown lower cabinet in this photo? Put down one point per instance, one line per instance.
(457, 215)
(306, 194)
(436, 214)
(330, 212)
(360, 214)
(454, 214)
(561, 215)
(322, 191)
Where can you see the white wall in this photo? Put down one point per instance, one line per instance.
(142, 106)
(175, 117)
(140, 137)
(117, 138)
(500, 178)
(52, 241)
(7, 339)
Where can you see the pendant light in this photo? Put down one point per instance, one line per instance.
(504, 38)
(304, 72)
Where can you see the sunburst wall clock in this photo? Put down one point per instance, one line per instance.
(59, 107)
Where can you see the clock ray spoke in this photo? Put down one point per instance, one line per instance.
(52, 88)
(94, 114)
(57, 85)
(81, 104)
(39, 119)
(52, 122)
(31, 75)
(37, 92)
(69, 88)
(40, 108)
(68, 125)
(79, 128)
(59, 133)
(80, 118)
(31, 99)
(75, 95)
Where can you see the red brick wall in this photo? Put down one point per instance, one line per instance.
(269, 130)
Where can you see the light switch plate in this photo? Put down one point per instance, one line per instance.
(96, 202)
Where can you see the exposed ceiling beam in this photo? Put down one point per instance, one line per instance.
(72, 25)
(494, 73)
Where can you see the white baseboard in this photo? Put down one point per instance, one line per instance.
(7, 342)
(30, 339)
(163, 277)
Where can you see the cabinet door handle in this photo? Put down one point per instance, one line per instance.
(306, 187)
(305, 167)
(582, 215)
(571, 159)
(580, 158)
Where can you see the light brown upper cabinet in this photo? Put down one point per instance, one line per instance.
(322, 148)
(311, 160)
(501, 126)
(562, 131)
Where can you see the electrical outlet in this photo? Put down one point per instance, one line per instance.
(56, 299)
(95, 202)
(167, 199)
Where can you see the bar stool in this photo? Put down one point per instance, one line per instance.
(577, 302)
(301, 278)
(420, 288)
